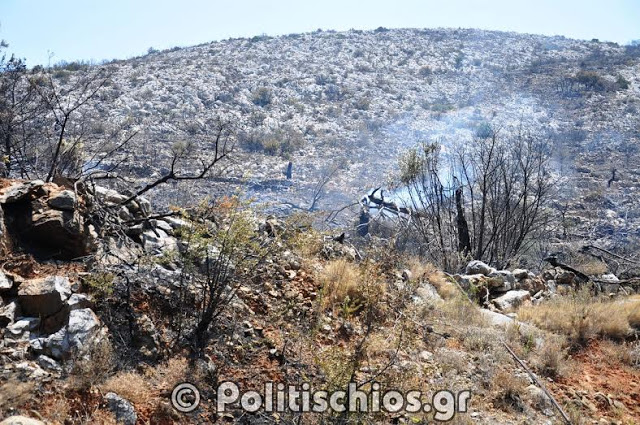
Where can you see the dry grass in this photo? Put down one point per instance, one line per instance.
(551, 359)
(589, 265)
(165, 376)
(130, 386)
(93, 365)
(349, 288)
(339, 279)
(452, 360)
(103, 417)
(428, 272)
(15, 393)
(507, 391)
(581, 317)
(58, 410)
(461, 311)
(481, 340)
(301, 237)
(617, 354)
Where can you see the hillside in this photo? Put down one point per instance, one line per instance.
(355, 101)
(368, 95)
(461, 215)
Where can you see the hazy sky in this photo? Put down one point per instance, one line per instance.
(108, 29)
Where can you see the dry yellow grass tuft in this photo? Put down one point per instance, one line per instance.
(551, 359)
(348, 287)
(461, 311)
(94, 365)
(430, 273)
(131, 386)
(589, 265)
(339, 279)
(507, 390)
(581, 317)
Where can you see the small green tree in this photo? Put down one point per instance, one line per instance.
(220, 248)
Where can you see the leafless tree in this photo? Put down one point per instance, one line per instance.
(17, 111)
(326, 175)
(209, 144)
(52, 129)
(487, 203)
(66, 107)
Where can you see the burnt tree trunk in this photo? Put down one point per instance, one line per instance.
(363, 225)
(289, 171)
(464, 241)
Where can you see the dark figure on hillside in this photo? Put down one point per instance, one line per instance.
(613, 178)
(340, 238)
(289, 171)
(363, 226)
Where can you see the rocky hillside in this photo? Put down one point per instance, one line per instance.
(101, 302)
(342, 107)
(119, 285)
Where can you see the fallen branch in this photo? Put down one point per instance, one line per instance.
(613, 254)
(555, 263)
(538, 383)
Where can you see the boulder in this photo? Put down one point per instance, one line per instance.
(163, 225)
(427, 293)
(511, 300)
(174, 222)
(109, 196)
(501, 281)
(609, 278)
(145, 206)
(124, 214)
(65, 200)
(43, 297)
(157, 241)
(533, 285)
(505, 274)
(565, 277)
(551, 286)
(6, 283)
(549, 274)
(78, 301)
(520, 274)
(55, 345)
(121, 408)
(478, 267)
(21, 329)
(145, 337)
(19, 191)
(82, 327)
(8, 313)
(49, 233)
(467, 281)
(48, 363)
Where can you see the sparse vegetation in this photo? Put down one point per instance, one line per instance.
(581, 317)
(511, 145)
